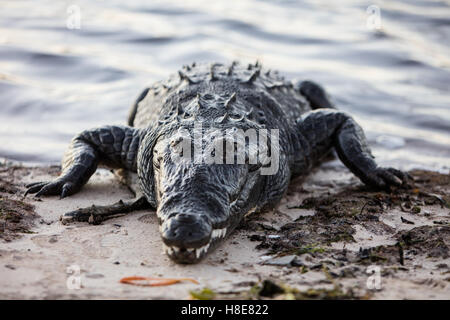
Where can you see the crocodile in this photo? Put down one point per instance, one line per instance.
(199, 203)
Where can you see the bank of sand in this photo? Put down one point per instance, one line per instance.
(313, 245)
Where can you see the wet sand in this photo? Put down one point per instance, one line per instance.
(319, 242)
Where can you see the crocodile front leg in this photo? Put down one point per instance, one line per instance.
(323, 129)
(115, 146)
(96, 214)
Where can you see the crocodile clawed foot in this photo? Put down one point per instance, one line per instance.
(97, 214)
(92, 215)
(388, 178)
(59, 187)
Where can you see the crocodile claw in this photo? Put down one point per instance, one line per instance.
(79, 215)
(385, 178)
(51, 188)
(35, 187)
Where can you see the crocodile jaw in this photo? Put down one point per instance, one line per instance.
(194, 255)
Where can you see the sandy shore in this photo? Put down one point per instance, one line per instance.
(319, 242)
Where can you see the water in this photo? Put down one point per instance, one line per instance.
(56, 81)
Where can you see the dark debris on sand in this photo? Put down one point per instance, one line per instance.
(17, 215)
(306, 243)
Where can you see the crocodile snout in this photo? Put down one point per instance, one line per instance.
(186, 230)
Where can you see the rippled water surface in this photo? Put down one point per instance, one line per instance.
(56, 81)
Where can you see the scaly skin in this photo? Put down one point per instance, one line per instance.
(198, 204)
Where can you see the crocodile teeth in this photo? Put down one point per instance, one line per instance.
(174, 249)
(219, 233)
(168, 250)
(200, 251)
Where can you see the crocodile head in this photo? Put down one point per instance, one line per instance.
(198, 202)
